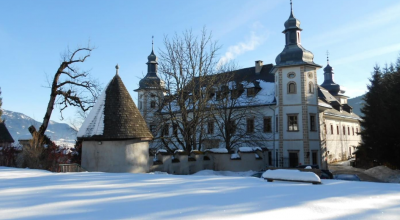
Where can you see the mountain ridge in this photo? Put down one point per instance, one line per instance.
(18, 123)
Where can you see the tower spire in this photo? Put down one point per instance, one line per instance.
(327, 56)
(291, 9)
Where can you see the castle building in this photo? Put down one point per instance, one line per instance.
(302, 122)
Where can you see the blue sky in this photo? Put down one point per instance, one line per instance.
(33, 35)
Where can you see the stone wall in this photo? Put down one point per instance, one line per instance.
(183, 164)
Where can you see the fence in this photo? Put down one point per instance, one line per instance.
(73, 167)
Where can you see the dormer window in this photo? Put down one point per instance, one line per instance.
(251, 92)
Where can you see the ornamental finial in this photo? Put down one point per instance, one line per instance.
(116, 68)
(152, 42)
(327, 56)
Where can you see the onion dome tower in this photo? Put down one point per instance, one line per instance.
(329, 84)
(151, 80)
(294, 53)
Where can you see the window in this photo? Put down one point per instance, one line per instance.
(140, 105)
(276, 124)
(314, 157)
(352, 128)
(166, 130)
(326, 131)
(313, 126)
(331, 129)
(292, 123)
(267, 125)
(175, 129)
(250, 125)
(153, 129)
(348, 130)
(210, 127)
(292, 88)
(344, 130)
(337, 129)
(218, 96)
(357, 130)
(152, 104)
(251, 92)
(235, 94)
(310, 87)
(231, 127)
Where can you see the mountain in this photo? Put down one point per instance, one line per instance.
(357, 103)
(18, 124)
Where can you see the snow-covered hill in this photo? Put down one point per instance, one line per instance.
(18, 124)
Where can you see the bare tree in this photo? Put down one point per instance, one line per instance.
(71, 86)
(186, 66)
(234, 109)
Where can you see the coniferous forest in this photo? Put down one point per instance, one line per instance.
(381, 130)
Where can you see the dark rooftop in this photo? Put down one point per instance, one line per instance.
(5, 136)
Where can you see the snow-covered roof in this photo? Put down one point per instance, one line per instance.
(249, 149)
(217, 150)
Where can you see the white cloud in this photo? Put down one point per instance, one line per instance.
(256, 38)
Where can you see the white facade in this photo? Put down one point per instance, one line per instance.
(299, 113)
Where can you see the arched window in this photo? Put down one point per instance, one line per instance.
(310, 87)
(153, 104)
(291, 88)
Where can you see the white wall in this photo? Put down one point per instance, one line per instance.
(129, 156)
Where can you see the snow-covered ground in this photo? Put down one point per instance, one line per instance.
(36, 194)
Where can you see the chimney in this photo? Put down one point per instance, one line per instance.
(259, 65)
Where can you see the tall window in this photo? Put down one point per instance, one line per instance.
(326, 131)
(267, 125)
(175, 129)
(152, 104)
(292, 123)
(344, 130)
(291, 88)
(313, 126)
(310, 87)
(166, 130)
(348, 130)
(250, 125)
(140, 104)
(352, 128)
(337, 129)
(231, 127)
(357, 130)
(331, 129)
(153, 128)
(210, 127)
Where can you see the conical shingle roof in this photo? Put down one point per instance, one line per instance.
(115, 116)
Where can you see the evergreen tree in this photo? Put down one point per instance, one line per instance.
(1, 104)
(381, 112)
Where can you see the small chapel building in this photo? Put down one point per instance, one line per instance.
(114, 136)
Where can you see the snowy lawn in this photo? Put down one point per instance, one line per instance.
(35, 194)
